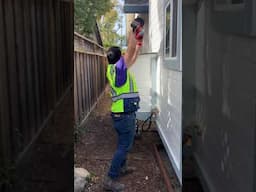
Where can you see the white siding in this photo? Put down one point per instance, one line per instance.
(168, 89)
(225, 106)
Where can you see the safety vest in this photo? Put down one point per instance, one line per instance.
(120, 94)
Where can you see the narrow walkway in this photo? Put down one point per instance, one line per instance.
(97, 143)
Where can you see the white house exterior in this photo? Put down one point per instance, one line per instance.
(159, 76)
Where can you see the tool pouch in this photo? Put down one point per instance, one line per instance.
(131, 104)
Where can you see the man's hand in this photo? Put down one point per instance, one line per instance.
(135, 24)
(139, 43)
(137, 28)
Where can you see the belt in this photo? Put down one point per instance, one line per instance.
(122, 113)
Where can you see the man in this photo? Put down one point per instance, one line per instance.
(125, 102)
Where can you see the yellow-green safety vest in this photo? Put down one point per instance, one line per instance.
(118, 94)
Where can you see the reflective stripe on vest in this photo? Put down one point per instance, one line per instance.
(131, 84)
(125, 95)
(131, 94)
(113, 92)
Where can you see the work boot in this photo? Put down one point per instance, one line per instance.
(125, 170)
(110, 184)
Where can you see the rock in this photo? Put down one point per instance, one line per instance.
(80, 179)
(81, 172)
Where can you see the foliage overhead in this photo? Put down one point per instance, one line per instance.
(106, 13)
(109, 25)
(87, 12)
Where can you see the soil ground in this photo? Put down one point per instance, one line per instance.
(97, 143)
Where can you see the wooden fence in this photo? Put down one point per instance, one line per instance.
(89, 76)
(36, 69)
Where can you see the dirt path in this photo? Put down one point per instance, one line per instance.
(97, 143)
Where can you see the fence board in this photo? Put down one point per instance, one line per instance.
(21, 69)
(83, 80)
(44, 68)
(38, 14)
(87, 96)
(47, 61)
(90, 65)
(78, 64)
(35, 60)
(5, 142)
(86, 84)
(76, 111)
(30, 88)
(58, 41)
(12, 76)
(52, 53)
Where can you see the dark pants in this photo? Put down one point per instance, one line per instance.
(124, 125)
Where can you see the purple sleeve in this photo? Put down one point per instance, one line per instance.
(121, 72)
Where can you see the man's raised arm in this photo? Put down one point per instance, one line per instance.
(135, 39)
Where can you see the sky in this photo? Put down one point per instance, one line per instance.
(122, 31)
